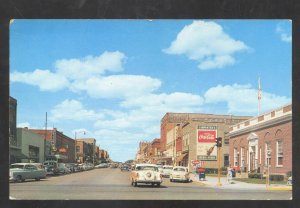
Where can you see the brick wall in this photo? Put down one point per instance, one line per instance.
(271, 134)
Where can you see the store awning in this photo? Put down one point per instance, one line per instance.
(180, 158)
(19, 155)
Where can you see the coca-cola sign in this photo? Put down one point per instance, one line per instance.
(208, 136)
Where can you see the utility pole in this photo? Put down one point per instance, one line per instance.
(45, 139)
(219, 145)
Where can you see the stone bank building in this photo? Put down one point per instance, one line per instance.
(262, 140)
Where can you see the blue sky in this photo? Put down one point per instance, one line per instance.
(115, 79)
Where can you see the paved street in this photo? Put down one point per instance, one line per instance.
(101, 184)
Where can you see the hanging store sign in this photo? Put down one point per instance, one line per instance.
(206, 143)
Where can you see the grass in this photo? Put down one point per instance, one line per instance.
(258, 181)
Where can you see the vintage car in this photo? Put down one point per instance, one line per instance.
(180, 173)
(166, 170)
(51, 167)
(124, 167)
(19, 172)
(63, 169)
(145, 173)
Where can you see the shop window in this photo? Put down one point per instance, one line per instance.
(279, 151)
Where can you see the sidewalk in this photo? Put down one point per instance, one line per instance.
(212, 182)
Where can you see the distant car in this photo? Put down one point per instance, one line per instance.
(114, 165)
(71, 167)
(19, 172)
(102, 165)
(145, 173)
(62, 169)
(124, 168)
(88, 166)
(166, 170)
(179, 173)
(51, 167)
(77, 168)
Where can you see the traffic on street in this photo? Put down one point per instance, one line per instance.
(117, 182)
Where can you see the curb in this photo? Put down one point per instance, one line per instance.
(280, 189)
(205, 184)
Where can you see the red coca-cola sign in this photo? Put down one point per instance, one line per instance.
(208, 136)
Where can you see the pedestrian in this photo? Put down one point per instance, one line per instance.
(229, 174)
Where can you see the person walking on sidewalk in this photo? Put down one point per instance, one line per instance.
(229, 174)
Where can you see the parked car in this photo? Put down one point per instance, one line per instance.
(102, 165)
(87, 166)
(19, 172)
(77, 168)
(71, 167)
(62, 169)
(180, 173)
(51, 167)
(114, 165)
(145, 173)
(166, 170)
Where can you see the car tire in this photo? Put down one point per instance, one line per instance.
(158, 184)
(19, 179)
(171, 180)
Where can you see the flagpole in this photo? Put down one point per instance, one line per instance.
(258, 95)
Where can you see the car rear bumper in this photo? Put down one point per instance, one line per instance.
(145, 181)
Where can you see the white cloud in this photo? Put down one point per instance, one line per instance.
(173, 100)
(23, 125)
(206, 43)
(282, 29)
(72, 110)
(243, 98)
(119, 137)
(147, 110)
(117, 86)
(77, 69)
(44, 79)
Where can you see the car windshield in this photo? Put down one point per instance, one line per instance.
(146, 168)
(17, 166)
(179, 169)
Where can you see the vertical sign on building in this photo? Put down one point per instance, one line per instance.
(206, 143)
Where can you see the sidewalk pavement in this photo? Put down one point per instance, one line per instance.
(212, 182)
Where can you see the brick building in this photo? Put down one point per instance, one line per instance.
(62, 146)
(262, 140)
(183, 128)
(15, 143)
(198, 139)
(86, 150)
(143, 154)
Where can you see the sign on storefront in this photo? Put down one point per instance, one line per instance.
(206, 143)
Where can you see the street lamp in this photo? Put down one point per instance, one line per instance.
(77, 132)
